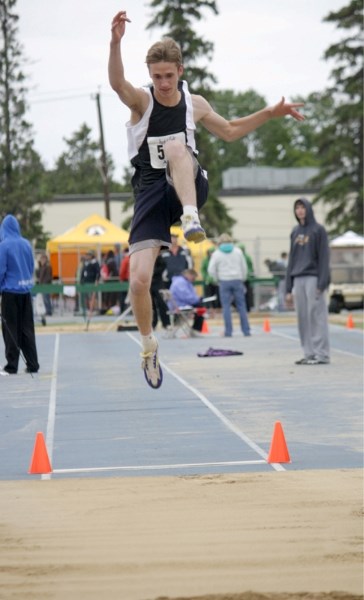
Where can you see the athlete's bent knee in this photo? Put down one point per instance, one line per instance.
(139, 285)
(174, 150)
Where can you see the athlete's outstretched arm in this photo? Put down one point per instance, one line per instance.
(232, 130)
(128, 94)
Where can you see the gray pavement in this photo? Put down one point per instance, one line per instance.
(211, 415)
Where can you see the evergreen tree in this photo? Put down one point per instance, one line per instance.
(21, 170)
(177, 16)
(280, 143)
(78, 169)
(340, 144)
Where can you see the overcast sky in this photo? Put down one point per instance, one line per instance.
(274, 47)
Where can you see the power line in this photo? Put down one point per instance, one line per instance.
(62, 91)
(59, 98)
(65, 98)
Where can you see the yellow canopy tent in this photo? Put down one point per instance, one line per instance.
(100, 235)
(95, 232)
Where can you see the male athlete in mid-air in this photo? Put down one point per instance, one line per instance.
(169, 184)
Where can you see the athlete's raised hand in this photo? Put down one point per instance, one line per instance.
(283, 108)
(118, 26)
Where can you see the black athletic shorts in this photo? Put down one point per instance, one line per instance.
(157, 208)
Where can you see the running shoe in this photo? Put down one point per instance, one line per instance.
(151, 367)
(318, 361)
(304, 361)
(4, 372)
(192, 229)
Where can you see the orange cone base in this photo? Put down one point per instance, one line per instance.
(40, 464)
(350, 322)
(278, 452)
(266, 326)
(205, 327)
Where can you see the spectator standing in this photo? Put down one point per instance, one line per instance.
(228, 267)
(45, 276)
(249, 295)
(210, 287)
(278, 269)
(118, 255)
(177, 259)
(79, 272)
(308, 276)
(90, 274)
(109, 273)
(160, 308)
(282, 263)
(16, 281)
(124, 277)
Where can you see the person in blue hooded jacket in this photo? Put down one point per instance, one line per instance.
(16, 281)
(308, 276)
(228, 268)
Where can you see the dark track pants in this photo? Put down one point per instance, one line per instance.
(18, 331)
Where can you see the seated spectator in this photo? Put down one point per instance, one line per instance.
(184, 294)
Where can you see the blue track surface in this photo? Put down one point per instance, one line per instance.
(211, 415)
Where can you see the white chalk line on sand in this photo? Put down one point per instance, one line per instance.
(159, 467)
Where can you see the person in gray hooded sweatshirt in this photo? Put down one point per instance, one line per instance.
(16, 281)
(308, 276)
(227, 266)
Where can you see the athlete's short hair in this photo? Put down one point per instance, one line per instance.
(167, 50)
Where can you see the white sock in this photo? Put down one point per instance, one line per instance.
(149, 342)
(191, 210)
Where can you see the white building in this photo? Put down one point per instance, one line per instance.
(65, 211)
(260, 199)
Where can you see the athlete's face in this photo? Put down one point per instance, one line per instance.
(165, 76)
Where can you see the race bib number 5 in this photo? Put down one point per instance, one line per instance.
(156, 148)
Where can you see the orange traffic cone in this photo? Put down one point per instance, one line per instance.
(205, 327)
(40, 463)
(278, 452)
(266, 326)
(350, 322)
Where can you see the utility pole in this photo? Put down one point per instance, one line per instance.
(104, 171)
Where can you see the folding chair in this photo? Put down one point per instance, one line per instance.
(182, 317)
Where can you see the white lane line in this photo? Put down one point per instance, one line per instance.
(292, 337)
(160, 467)
(52, 405)
(216, 412)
